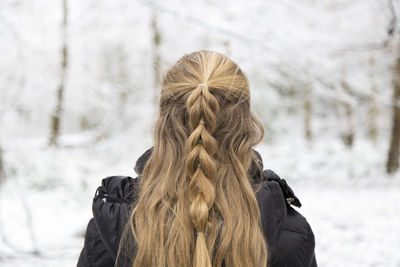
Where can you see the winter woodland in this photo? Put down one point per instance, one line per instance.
(79, 85)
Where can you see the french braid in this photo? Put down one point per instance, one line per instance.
(202, 107)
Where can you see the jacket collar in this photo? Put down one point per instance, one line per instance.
(142, 160)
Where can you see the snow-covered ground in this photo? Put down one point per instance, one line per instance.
(47, 204)
(354, 226)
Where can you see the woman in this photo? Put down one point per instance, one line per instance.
(201, 198)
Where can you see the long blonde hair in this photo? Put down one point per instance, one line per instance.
(196, 205)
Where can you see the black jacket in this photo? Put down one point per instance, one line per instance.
(289, 236)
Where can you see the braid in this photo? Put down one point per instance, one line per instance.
(202, 107)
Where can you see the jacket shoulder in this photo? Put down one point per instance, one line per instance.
(113, 188)
(111, 205)
(287, 191)
(113, 200)
(93, 253)
(295, 243)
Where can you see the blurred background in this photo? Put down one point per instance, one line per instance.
(79, 83)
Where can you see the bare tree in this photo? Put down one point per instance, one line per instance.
(2, 171)
(56, 116)
(372, 105)
(156, 55)
(115, 72)
(348, 134)
(228, 47)
(121, 80)
(307, 111)
(392, 164)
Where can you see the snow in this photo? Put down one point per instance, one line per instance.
(283, 46)
(353, 225)
(355, 220)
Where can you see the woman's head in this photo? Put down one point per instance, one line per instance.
(224, 78)
(208, 86)
(196, 204)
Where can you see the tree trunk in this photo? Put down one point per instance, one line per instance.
(121, 80)
(156, 57)
(2, 171)
(56, 116)
(372, 106)
(227, 47)
(348, 135)
(392, 164)
(307, 111)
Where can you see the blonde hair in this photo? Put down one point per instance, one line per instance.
(196, 205)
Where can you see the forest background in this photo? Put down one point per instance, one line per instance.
(79, 87)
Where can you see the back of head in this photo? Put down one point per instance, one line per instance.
(196, 205)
